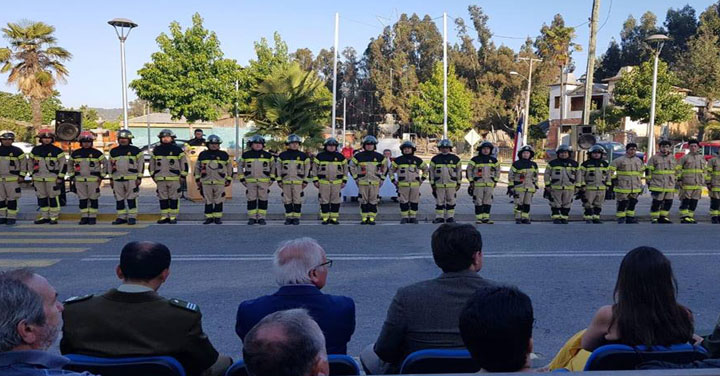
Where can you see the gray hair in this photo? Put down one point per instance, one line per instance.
(294, 259)
(284, 343)
(19, 303)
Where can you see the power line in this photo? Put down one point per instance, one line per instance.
(608, 15)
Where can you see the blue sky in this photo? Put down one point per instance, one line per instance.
(95, 68)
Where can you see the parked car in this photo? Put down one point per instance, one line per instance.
(709, 149)
(148, 154)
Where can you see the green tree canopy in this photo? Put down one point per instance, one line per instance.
(426, 107)
(189, 75)
(16, 107)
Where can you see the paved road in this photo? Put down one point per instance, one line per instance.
(219, 266)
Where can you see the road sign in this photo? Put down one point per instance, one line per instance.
(472, 137)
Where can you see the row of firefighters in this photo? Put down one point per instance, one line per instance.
(565, 179)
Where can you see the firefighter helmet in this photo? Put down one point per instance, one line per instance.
(125, 133)
(526, 148)
(370, 140)
(7, 135)
(597, 149)
(46, 133)
(445, 143)
(166, 133)
(330, 141)
(293, 138)
(486, 144)
(213, 139)
(408, 144)
(86, 136)
(256, 139)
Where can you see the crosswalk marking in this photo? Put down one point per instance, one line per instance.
(76, 226)
(42, 250)
(32, 263)
(62, 233)
(54, 241)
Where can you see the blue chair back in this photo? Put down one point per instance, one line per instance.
(340, 365)
(136, 366)
(623, 357)
(438, 361)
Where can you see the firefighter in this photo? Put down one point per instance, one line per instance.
(690, 180)
(256, 172)
(213, 172)
(594, 179)
(483, 173)
(445, 180)
(627, 173)
(523, 178)
(13, 166)
(127, 166)
(88, 166)
(293, 174)
(167, 166)
(49, 167)
(407, 173)
(329, 174)
(368, 169)
(712, 180)
(661, 180)
(561, 183)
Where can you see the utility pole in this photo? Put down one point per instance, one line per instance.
(590, 72)
(334, 91)
(344, 120)
(526, 114)
(445, 74)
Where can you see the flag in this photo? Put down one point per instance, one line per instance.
(518, 138)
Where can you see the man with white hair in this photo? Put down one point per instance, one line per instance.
(286, 343)
(301, 270)
(30, 322)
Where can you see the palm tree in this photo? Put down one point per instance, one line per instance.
(31, 59)
(291, 101)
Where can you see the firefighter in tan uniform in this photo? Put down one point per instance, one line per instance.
(483, 173)
(213, 172)
(594, 179)
(407, 172)
(126, 168)
(522, 183)
(88, 166)
(445, 179)
(660, 176)
(167, 166)
(256, 171)
(48, 166)
(627, 172)
(329, 174)
(293, 174)
(690, 176)
(561, 183)
(368, 169)
(13, 167)
(712, 180)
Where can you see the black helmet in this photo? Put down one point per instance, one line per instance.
(408, 144)
(213, 139)
(293, 138)
(125, 133)
(256, 139)
(330, 141)
(526, 148)
(7, 135)
(166, 133)
(597, 149)
(486, 144)
(369, 140)
(445, 143)
(563, 148)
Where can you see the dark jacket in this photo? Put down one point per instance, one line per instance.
(334, 314)
(119, 324)
(425, 315)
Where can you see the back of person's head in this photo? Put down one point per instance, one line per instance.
(143, 261)
(285, 343)
(454, 246)
(295, 259)
(19, 305)
(646, 310)
(496, 327)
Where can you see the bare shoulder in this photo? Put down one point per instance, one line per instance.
(604, 314)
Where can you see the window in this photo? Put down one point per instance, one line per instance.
(557, 102)
(576, 103)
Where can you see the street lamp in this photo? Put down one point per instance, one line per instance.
(657, 41)
(122, 29)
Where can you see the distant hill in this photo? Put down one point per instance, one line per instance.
(110, 114)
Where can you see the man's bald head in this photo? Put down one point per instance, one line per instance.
(143, 261)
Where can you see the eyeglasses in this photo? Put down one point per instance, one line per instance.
(327, 264)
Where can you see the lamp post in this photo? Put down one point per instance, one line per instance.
(657, 41)
(526, 115)
(122, 29)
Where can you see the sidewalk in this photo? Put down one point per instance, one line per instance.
(235, 208)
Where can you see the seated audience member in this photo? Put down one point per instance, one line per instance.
(134, 320)
(496, 327)
(286, 343)
(425, 315)
(301, 270)
(645, 312)
(711, 342)
(30, 321)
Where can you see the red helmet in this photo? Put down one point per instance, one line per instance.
(46, 133)
(86, 136)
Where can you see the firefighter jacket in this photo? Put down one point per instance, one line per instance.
(329, 168)
(408, 171)
(13, 163)
(87, 165)
(483, 171)
(562, 174)
(168, 163)
(213, 167)
(690, 171)
(445, 171)
(660, 173)
(523, 175)
(628, 173)
(712, 174)
(48, 163)
(126, 163)
(594, 175)
(368, 168)
(293, 167)
(256, 167)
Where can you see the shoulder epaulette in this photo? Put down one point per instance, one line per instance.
(79, 298)
(185, 305)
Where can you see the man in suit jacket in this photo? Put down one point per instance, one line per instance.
(301, 270)
(425, 315)
(133, 320)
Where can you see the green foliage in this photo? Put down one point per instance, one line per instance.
(16, 107)
(426, 107)
(633, 94)
(607, 120)
(291, 100)
(610, 62)
(555, 43)
(189, 75)
(267, 59)
(700, 66)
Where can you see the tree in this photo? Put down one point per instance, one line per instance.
(304, 57)
(16, 107)
(189, 75)
(291, 100)
(610, 63)
(34, 61)
(681, 25)
(426, 107)
(632, 38)
(633, 94)
(268, 58)
(555, 42)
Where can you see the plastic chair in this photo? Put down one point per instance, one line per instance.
(340, 365)
(136, 366)
(623, 357)
(438, 362)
